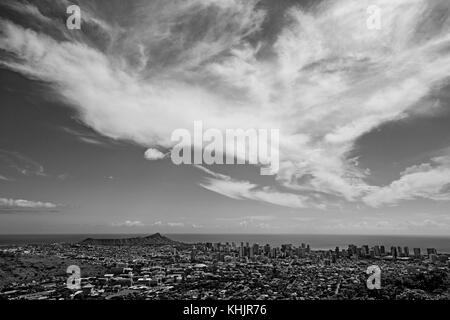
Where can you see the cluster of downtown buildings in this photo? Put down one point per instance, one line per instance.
(288, 250)
(232, 271)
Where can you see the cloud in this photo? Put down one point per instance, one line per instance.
(21, 164)
(63, 176)
(245, 190)
(20, 206)
(258, 222)
(415, 223)
(175, 224)
(427, 181)
(19, 203)
(324, 78)
(87, 137)
(91, 141)
(161, 224)
(28, 9)
(4, 178)
(239, 190)
(129, 223)
(252, 218)
(153, 154)
(303, 219)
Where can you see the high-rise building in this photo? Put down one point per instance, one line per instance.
(382, 250)
(365, 250)
(256, 249)
(274, 253)
(406, 251)
(431, 251)
(377, 251)
(336, 251)
(394, 252)
(300, 252)
(417, 252)
(286, 248)
(433, 258)
(329, 253)
(399, 251)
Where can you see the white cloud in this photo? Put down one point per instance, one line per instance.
(245, 190)
(25, 204)
(252, 218)
(129, 223)
(21, 163)
(162, 224)
(91, 141)
(28, 9)
(153, 154)
(175, 224)
(415, 223)
(255, 222)
(328, 81)
(428, 180)
(239, 190)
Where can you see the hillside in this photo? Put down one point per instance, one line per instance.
(153, 240)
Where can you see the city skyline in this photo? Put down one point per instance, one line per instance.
(158, 268)
(86, 116)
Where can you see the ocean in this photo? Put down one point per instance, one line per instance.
(322, 242)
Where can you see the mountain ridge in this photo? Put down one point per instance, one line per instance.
(153, 239)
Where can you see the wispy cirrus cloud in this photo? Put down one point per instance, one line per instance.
(325, 79)
(4, 178)
(88, 137)
(427, 181)
(172, 224)
(21, 164)
(27, 9)
(240, 190)
(255, 222)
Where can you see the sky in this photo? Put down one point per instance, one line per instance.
(86, 116)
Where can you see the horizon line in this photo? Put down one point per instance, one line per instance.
(232, 233)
